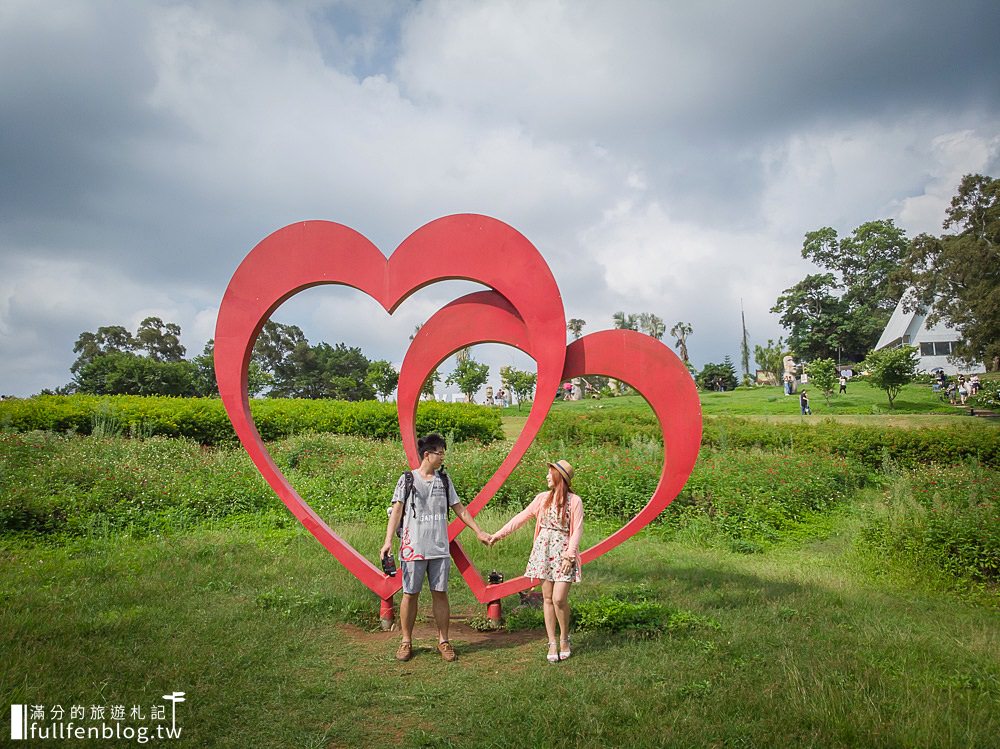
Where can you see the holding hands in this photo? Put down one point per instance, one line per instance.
(488, 539)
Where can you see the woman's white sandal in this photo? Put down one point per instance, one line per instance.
(564, 654)
(552, 657)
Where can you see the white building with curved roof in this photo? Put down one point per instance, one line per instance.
(934, 343)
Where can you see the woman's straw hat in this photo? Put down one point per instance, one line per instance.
(564, 469)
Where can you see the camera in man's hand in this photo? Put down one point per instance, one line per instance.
(389, 564)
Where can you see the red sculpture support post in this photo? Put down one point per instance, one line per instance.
(386, 614)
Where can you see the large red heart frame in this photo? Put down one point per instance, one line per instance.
(524, 310)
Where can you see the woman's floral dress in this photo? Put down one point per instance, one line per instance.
(545, 562)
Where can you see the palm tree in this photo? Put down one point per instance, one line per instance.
(575, 326)
(681, 331)
(652, 325)
(623, 321)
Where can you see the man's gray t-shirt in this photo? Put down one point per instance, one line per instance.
(425, 517)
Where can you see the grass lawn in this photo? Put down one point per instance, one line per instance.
(916, 406)
(274, 645)
(813, 639)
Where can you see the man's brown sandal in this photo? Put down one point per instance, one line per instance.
(447, 651)
(405, 651)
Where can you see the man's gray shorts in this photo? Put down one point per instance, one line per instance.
(436, 570)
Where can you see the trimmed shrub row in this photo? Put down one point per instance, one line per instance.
(205, 421)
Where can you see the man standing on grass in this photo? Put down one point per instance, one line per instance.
(423, 545)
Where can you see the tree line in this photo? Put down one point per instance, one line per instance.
(151, 361)
(114, 361)
(840, 312)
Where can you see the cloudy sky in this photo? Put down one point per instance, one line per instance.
(663, 157)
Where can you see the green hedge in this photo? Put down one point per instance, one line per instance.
(205, 421)
(867, 444)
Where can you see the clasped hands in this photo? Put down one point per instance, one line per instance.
(487, 539)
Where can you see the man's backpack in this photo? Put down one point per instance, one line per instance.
(408, 492)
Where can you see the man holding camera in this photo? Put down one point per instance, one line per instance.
(423, 546)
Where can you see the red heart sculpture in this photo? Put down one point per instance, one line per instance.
(466, 246)
(641, 361)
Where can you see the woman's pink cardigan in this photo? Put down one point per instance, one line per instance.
(536, 509)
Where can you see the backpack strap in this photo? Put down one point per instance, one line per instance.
(408, 492)
(446, 482)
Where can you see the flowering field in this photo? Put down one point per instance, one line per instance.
(744, 499)
(860, 596)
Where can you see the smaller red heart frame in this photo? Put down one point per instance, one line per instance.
(641, 361)
(523, 309)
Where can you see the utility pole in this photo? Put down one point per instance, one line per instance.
(745, 345)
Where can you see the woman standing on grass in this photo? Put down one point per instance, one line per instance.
(555, 555)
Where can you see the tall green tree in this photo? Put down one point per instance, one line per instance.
(681, 331)
(841, 313)
(108, 362)
(718, 376)
(257, 379)
(107, 339)
(815, 316)
(276, 342)
(160, 340)
(382, 377)
(519, 382)
(889, 369)
(323, 371)
(770, 358)
(469, 375)
(126, 373)
(956, 277)
(823, 375)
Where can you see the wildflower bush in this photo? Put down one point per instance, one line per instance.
(944, 519)
(204, 420)
(753, 498)
(988, 396)
(76, 485)
(940, 516)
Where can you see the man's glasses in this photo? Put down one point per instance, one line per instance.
(439, 453)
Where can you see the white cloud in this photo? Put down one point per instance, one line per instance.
(951, 156)
(907, 171)
(664, 158)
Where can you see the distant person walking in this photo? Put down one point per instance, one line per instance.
(804, 404)
(843, 384)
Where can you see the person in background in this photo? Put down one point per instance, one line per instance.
(804, 404)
